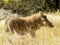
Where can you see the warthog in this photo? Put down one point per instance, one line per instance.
(27, 24)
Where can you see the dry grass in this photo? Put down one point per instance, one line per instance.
(44, 36)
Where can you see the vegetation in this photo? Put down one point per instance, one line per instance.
(44, 36)
(27, 7)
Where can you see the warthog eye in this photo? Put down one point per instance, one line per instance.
(42, 18)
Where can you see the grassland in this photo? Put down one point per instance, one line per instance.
(44, 36)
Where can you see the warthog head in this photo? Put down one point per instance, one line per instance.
(45, 21)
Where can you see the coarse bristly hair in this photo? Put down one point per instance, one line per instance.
(23, 25)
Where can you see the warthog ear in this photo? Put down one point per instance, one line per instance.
(40, 13)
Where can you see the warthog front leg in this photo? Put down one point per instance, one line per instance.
(32, 33)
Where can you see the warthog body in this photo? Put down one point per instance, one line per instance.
(28, 24)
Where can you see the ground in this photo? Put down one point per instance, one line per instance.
(44, 36)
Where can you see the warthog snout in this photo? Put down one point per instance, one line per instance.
(49, 24)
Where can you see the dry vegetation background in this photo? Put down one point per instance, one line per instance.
(44, 36)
